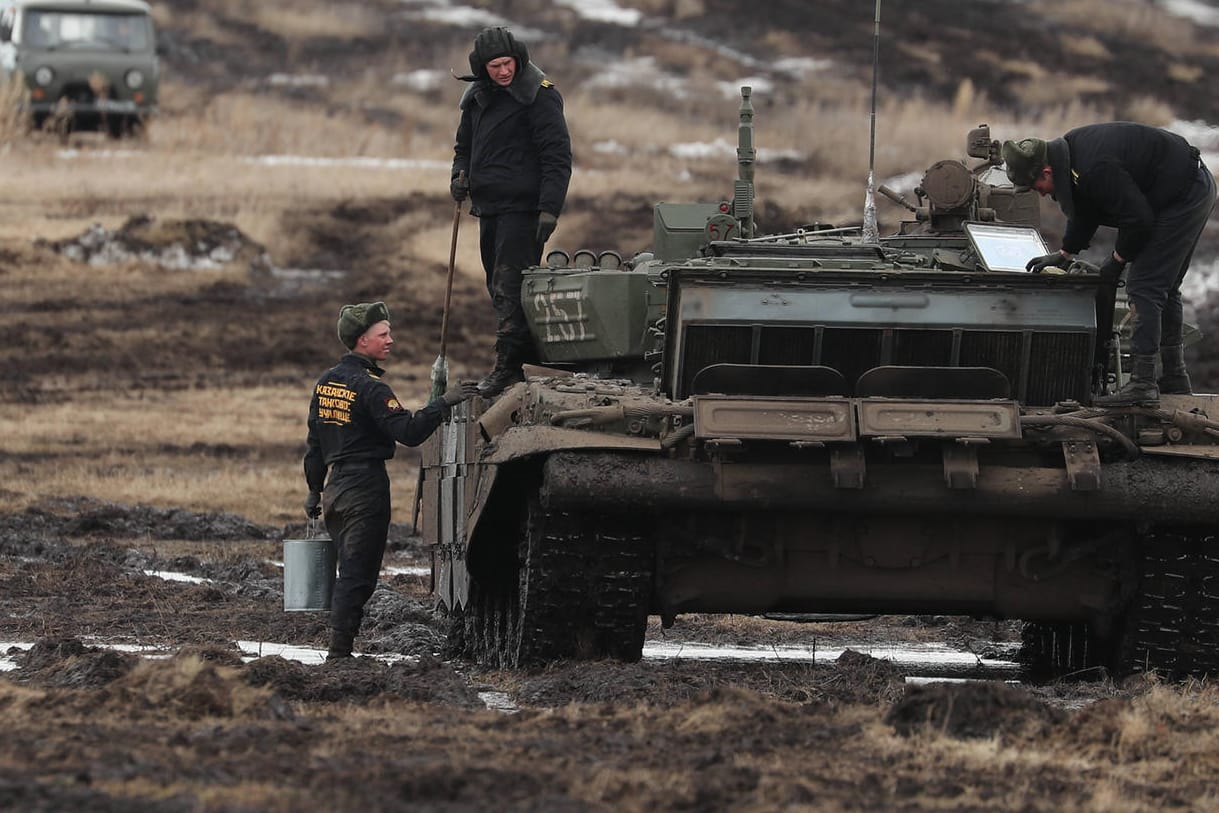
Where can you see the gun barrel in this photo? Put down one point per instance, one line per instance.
(896, 198)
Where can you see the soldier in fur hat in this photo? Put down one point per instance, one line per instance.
(355, 424)
(512, 157)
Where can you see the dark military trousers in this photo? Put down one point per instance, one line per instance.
(1153, 281)
(508, 244)
(357, 510)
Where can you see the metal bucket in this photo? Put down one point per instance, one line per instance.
(309, 568)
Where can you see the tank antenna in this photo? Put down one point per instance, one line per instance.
(871, 234)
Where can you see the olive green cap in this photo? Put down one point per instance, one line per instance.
(1025, 159)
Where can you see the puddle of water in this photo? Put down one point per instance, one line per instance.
(308, 655)
(926, 660)
(388, 570)
(261, 649)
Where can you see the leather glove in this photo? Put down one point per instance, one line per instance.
(1039, 264)
(1111, 271)
(313, 505)
(546, 224)
(459, 187)
(463, 391)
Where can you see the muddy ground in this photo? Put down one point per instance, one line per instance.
(136, 695)
(133, 691)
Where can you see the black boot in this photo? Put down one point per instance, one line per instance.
(341, 643)
(1175, 379)
(1140, 390)
(506, 373)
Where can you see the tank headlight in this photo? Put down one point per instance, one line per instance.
(134, 79)
(44, 76)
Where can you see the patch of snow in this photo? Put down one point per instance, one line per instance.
(720, 148)
(171, 576)
(312, 274)
(442, 11)
(411, 570)
(732, 90)
(1194, 10)
(7, 664)
(801, 67)
(638, 72)
(1203, 277)
(603, 11)
(1203, 136)
(422, 81)
(298, 80)
(610, 147)
(499, 701)
(361, 162)
(109, 155)
(689, 37)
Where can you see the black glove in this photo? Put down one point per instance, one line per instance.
(313, 505)
(546, 224)
(1039, 264)
(459, 187)
(463, 391)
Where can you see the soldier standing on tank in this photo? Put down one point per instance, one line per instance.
(1152, 186)
(355, 422)
(512, 157)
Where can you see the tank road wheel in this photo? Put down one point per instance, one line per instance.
(583, 590)
(1172, 624)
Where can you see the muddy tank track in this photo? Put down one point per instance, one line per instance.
(1170, 627)
(581, 588)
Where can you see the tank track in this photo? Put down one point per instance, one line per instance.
(581, 589)
(1172, 625)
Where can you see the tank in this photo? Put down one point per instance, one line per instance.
(811, 423)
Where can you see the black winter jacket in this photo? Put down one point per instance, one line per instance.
(354, 415)
(514, 146)
(1120, 174)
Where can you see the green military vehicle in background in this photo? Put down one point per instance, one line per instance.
(813, 422)
(81, 64)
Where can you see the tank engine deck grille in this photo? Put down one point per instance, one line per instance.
(1042, 367)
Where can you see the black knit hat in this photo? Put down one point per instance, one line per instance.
(492, 43)
(355, 319)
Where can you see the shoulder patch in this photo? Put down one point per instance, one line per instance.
(546, 83)
(393, 405)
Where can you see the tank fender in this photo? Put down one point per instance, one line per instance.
(503, 413)
(518, 442)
